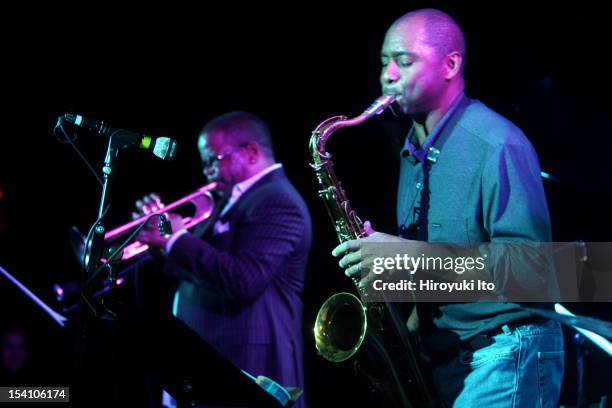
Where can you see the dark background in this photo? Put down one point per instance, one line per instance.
(168, 71)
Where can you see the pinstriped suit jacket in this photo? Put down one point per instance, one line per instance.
(240, 289)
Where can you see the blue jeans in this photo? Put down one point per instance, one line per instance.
(523, 367)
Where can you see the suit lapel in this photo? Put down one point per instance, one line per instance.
(216, 224)
(204, 230)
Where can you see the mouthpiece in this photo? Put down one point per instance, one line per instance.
(379, 105)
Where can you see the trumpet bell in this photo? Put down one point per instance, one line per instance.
(340, 327)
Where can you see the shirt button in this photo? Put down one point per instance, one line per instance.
(418, 185)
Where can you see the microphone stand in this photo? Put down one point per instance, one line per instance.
(98, 334)
(95, 245)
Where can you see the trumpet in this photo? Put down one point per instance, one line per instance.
(202, 201)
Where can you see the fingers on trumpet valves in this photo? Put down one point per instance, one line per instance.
(154, 202)
(151, 202)
(148, 205)
(142, 208)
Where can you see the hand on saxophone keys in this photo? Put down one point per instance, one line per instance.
(355, 261)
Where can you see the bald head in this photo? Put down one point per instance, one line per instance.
(422, 60)
(437, 29)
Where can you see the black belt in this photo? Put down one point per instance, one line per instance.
(442, 356)
(477, 342)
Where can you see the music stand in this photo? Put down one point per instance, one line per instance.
(155, 343)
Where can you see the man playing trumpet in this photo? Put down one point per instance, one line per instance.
(241, 279)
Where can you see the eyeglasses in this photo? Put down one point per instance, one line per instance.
(208, 163)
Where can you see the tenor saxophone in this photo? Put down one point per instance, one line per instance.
(345, 321)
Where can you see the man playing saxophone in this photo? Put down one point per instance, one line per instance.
(467, 175)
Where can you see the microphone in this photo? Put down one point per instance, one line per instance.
(161, 147)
